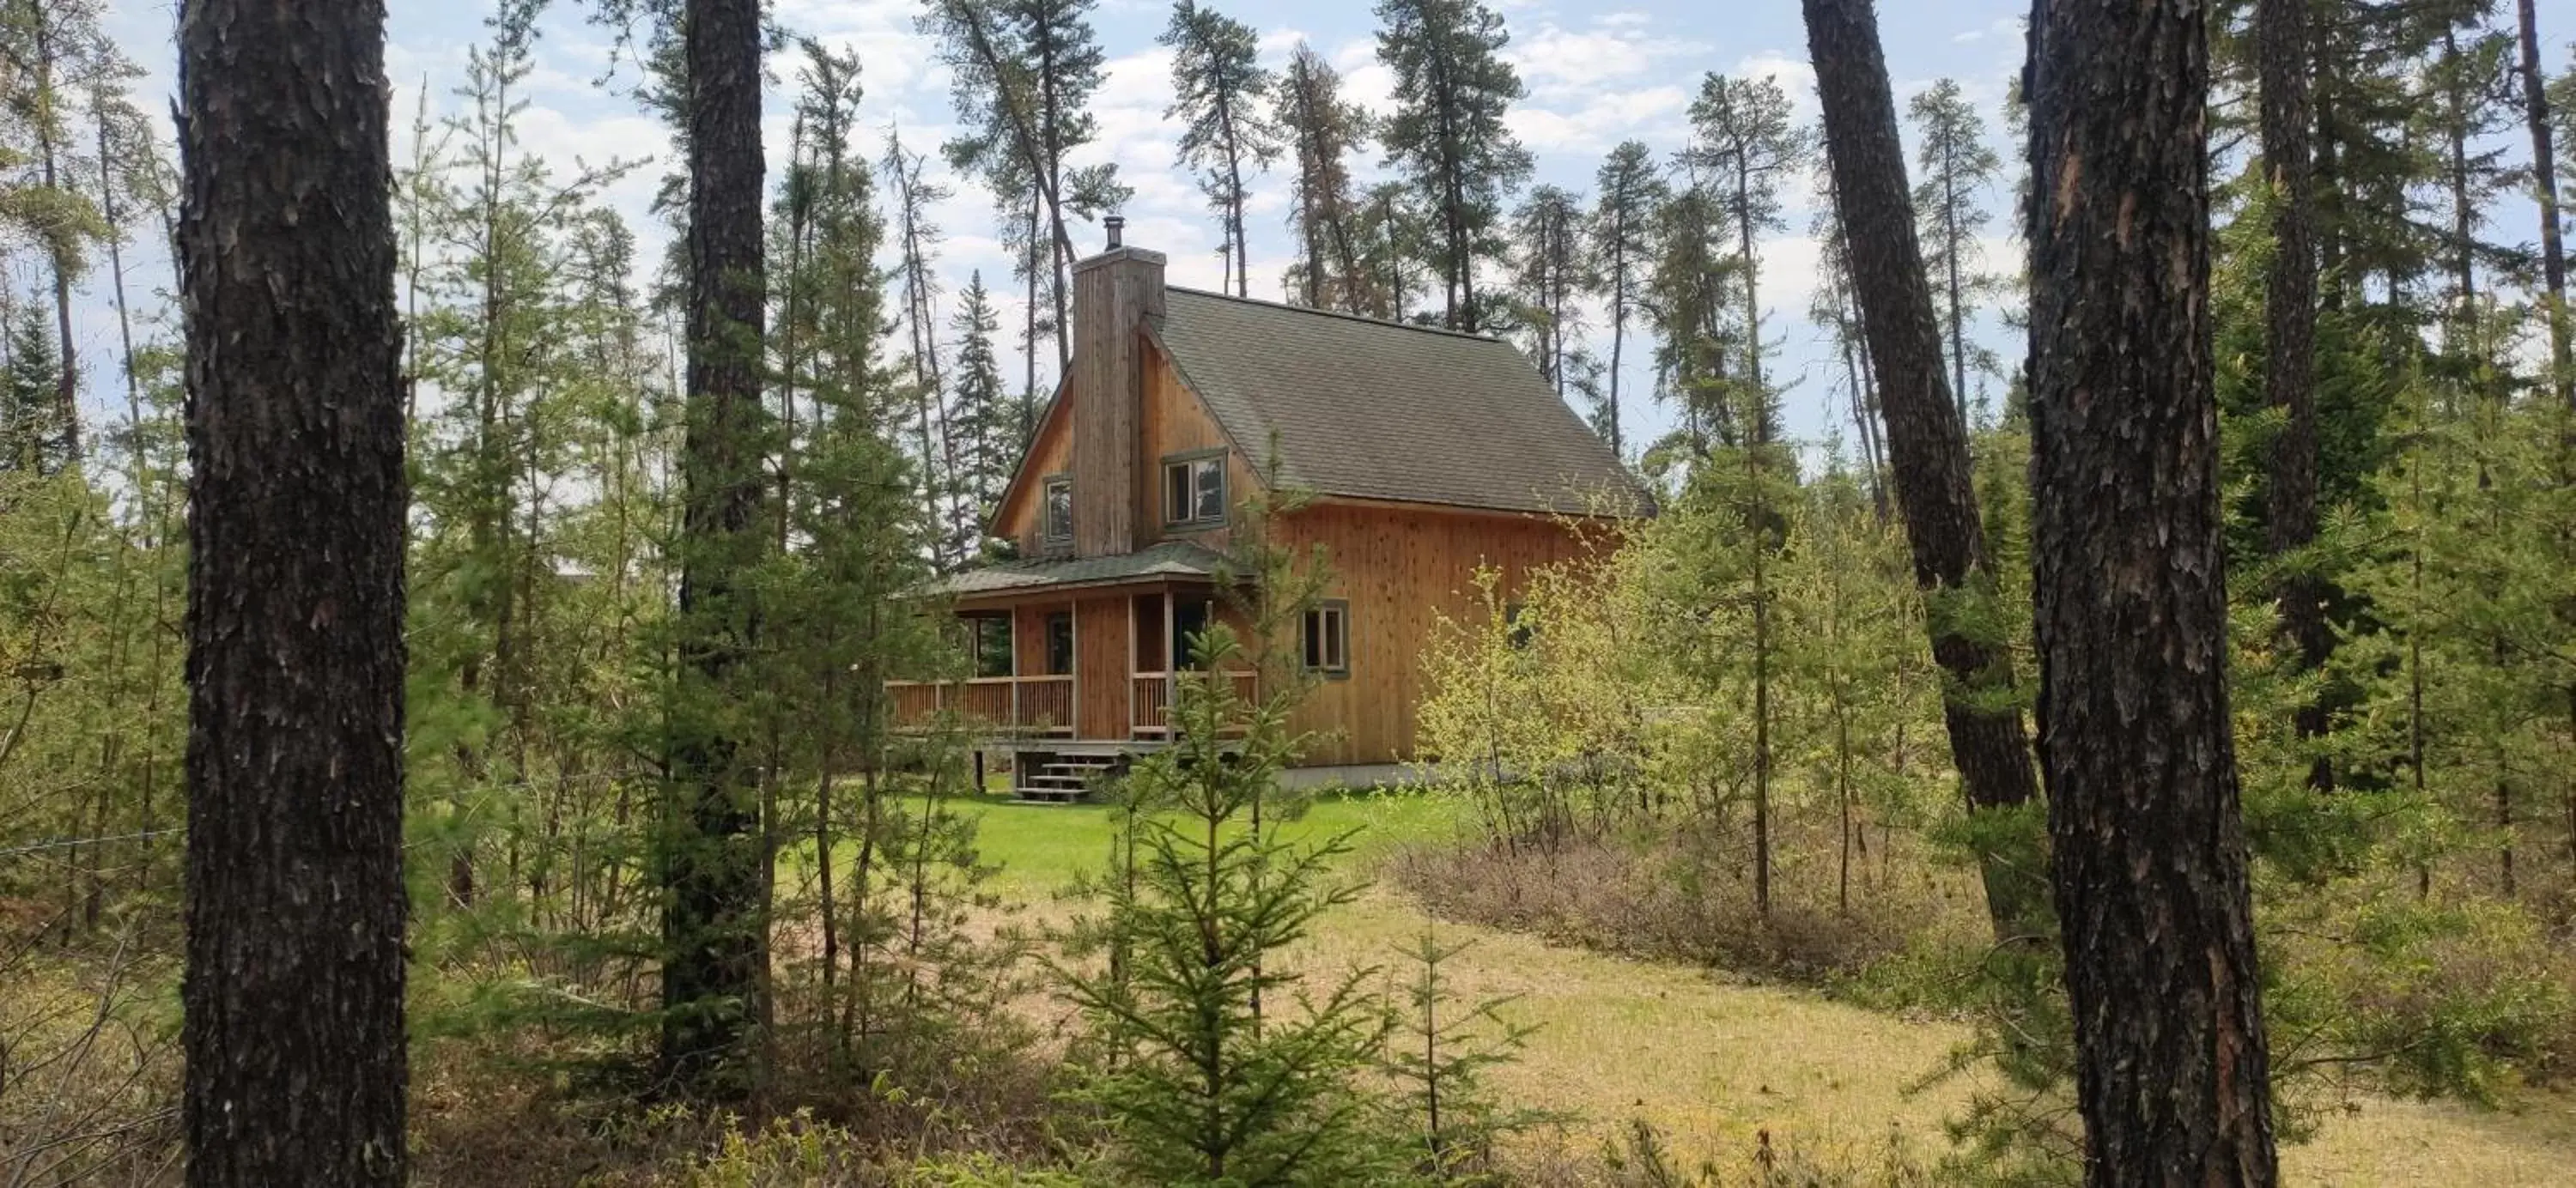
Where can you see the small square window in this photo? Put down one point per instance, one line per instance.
(1326, 639)
(1057, 516)
(1194, 490)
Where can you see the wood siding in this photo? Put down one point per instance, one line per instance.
(1018, 519)
(1178, 422)
(1100, 659)
(1401, 568)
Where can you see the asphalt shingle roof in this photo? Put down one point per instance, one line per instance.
(1171, 558)
(1379, 410)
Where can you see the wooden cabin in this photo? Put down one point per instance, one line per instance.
(1420, 455)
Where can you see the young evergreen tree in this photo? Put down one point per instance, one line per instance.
(1630, 187)
(1958, 166)
(1447, 135)
(1324, 131)
(293, 1030)
(1222, 93)
(981, 414)
(1207, 1086)
(33, 439)
(2148, 854)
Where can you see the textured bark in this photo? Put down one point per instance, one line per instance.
(2289, 343)
(2544, 178)
(2148, 848)
(294, 988)
(1927, 447)
(715, 939)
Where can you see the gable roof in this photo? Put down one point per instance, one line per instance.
(1368, 409)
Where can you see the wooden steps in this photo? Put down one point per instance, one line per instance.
(1059, 779)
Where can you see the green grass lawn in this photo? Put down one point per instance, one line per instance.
(1041, 848)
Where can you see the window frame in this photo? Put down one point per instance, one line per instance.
(1047, 537)
(1188, 462)
(1333, 611)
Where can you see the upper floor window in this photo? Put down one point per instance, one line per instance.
(1194, 489)
(1055, 524)
(1325, 638)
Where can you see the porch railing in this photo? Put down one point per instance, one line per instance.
(1017, 704)
(1153, 699)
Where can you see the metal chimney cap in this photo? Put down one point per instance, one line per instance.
(1116, 225)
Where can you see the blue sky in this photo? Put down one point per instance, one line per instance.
(1596, 75)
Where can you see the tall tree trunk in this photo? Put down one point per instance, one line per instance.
(2289, 348)
(2148, 847)
(1927, 449)
(293, 1031)
(2544, 176)
(1958, 288)
(67, 380)
(716, 943)
(1618, 329)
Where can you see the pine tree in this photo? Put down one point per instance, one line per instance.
(1393, 232)
(1836, 307)
(1957, 167)
(1622, 249)
(981, 415)
(1223, 93)
(2289, 340)
(1209, 1088)
(32, 439)
(1744, 144)
(917, 241)
(1550, 274)
(1694, 310)
(57, 43)
(716, 947)
(1447, 136)
(2544, 184)
(1955, 563)
(1324, 132)
(293, 1028)
(1024, 72)
(2148, 853)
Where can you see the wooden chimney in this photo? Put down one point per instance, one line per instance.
(1113, 295)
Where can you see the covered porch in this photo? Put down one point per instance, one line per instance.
(1073, 657)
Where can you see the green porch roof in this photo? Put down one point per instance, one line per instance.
(1166, 560)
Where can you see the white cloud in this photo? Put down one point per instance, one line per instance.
(1601, 120)
(1557, 61)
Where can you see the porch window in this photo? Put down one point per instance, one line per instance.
(1056, 520)
(1194, 490)
(1059, 643)
(1189, 621)
(1326, 638)
(991, 641)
